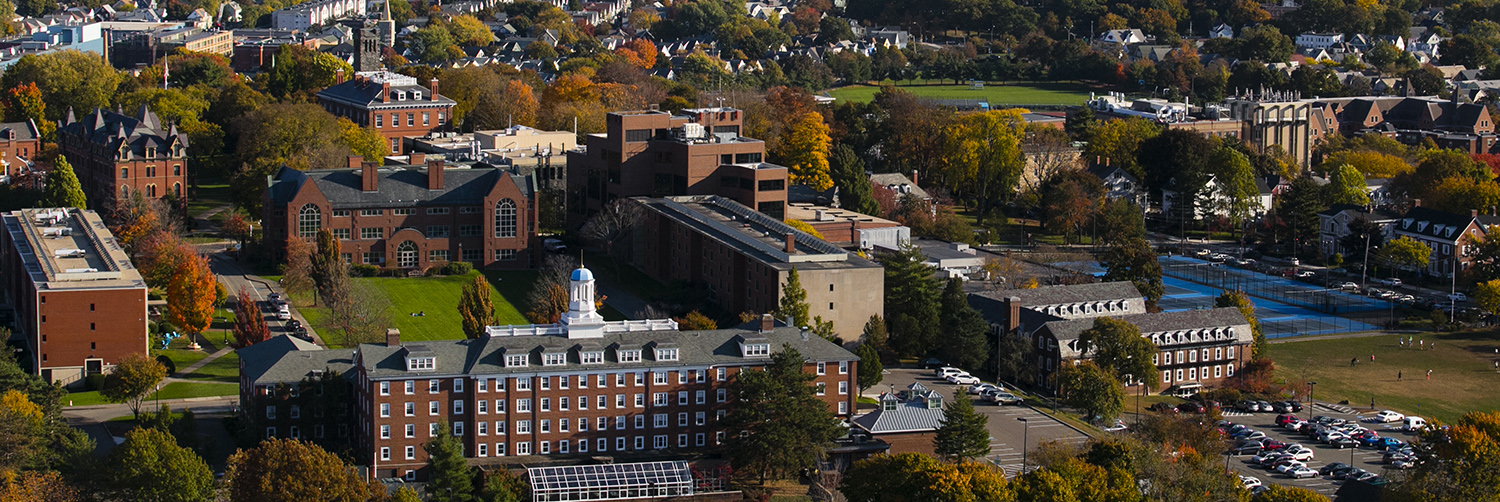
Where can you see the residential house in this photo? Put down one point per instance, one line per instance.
(1333, 228)
(1222, 30)
(1452, 237)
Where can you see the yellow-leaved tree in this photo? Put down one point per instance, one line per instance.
(804, 149)
(984, 156)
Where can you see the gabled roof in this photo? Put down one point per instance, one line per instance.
(1353, 211)
(1440, 225)
(287, 359)
(1065, 331)
(1071, 293)
(115, 130)
(397, 186)
(1105, 171)
(909, 416)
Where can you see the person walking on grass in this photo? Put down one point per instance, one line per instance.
(1398, 373)
(1429, 374)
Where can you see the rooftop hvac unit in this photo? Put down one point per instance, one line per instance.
(80, 270)
(56, 231)
(693, 131)
(68, 253)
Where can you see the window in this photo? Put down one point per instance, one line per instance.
(591, 357)
(563, 425)
(1229, 370)
(562, 404)
(411, 387)
(385, 432)
(411, 453)
(514, 360)
(659, 442)
(659, 399)
(546, 382)
(426, 117)
(554, 359)
(484, 449)
(124, 172)
(620, 422)
(482, 428)
(437, 210)
(505, 254)
(385, 410)
(843, 388)
(546, 426)
(1166, 376)
(682, 419)
(432, 386)
(436, 255)
(499, 449)
(505, 218)
(822, 368)
(523, 427)
(698, 418)
(546, 404)
(309, 220)
(385, 388)
(420, 363)
(1218, 371)
(371, 212)
(659, 377)
(468, 210)
(523, 405)
(629, 356)
(483, 407)
(341, 233)
(523, 448)
(432, 408)
(822, 388)
(667, 354)
(458, 428)
(372, 233)
(603, 402)
(640, 421)
(379, 120)
(411, 409)
(385, 452)
(458, 407)
(411, 119)
(723, 395)
(437, 230)
(1229, 352)
(271, 412)
(468, 231)
(719, 374)
(843, 367)
(637, 135)
(701, 397)
(682, 398)
(340, 213)
(619, 401)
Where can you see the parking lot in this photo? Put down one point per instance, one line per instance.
(1363, 457)
(1009, 436)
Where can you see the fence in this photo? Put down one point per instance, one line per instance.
(1284, 307)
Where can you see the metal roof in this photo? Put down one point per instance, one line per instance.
(596, 482)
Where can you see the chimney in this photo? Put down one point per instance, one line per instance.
(767, 323)
(338, 76)
(1416, 203)
(367, 176)
(914, 177)
(385, 92)
(355, 161)
(392, 337)
(433, 89)
(789, 321)
(434, 175)
(791, 243)
(1013, 315)
(416, 159)
(1473, 213)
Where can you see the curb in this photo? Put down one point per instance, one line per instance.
(1061, 421)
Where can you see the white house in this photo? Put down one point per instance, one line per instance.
(1123, 37)
(1223, 30)
(1318, 40)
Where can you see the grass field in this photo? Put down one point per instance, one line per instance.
(997, 95)
(437, 297)
(1463, 372)
(181, 390)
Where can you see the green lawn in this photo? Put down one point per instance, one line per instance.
(998, 95)
(209, 194)
(181, 390)
(1463, 372)
(89, 398)
(224, 369)
(437, 297)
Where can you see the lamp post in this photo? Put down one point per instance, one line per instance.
(1310, 386)
(1025, 442)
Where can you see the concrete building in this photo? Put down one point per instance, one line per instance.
(80, 306)
(133, 48)
(86, 37)
(577, 389)
(845, 228)
(115, 155)
(659, 154)
(316, 13)
(411, 216)
(392, 103)
(743, 257)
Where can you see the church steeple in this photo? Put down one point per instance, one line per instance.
(582, 319)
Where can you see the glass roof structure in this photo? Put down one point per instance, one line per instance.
(610, 481)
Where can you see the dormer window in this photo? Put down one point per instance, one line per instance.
(629, 355)
(554, 359)
(591, 357)
(400, 96)
(889, 404)
(421, 363)
(515, 361)
(416, 95)
(755, 349)
(666, 354)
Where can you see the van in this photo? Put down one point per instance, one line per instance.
(946, 371)
(1413, 424)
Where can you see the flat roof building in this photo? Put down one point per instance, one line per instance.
(80, 305)
(847, 228)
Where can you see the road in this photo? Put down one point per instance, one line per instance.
(1010, 437)
(235, 279)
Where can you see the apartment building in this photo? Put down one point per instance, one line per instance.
(391, 103)
(1452, 237)
(408, 216)
(658, 154)
(115, 154)
(79, 304)
(316, 13)
(19, 141)
(1196, 347)
(579, 388)
(742, 257)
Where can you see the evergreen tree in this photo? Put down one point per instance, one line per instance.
(855, 192)
(869, 366)
(963, 432)
(793, 300)
(874, 333)
(62, 188)
(964, 343)
(476, 308)
(911, 301)
(449, 479)
(777, 425)
(326, 259)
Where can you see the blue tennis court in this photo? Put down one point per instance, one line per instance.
(1277, 319)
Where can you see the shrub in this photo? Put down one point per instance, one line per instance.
(457, 268)
(167, 361)
(392, 272)
(93, 382)
(364, 270)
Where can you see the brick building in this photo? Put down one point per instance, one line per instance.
(79, 304)
(19, 141)
(1453, 238)
(392, 103)
(580, 388)
(658, 154)
(408, 216)
(742, 257)
(115, 154)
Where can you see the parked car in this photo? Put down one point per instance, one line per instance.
(554, 246)
(1265, 406)
(1285, 418)
(1287, 466)
(1004, 398)
(1301, 472)
(1458, 297)
(1328, 469)
(1250, 448)
(1349, 286)
(981, 388)
(1307, 274)
(1388, 443)
(1389, 416)
(1354, 474)
(1162, 407)
(1249, 482)
(945, 371)
(293, 324)
(1296, 406)
(283, 315)
(964, 379)
(1405, 463)
(1119, 426)
(1203, 253)
(1190, 407)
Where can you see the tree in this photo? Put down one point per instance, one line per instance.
(237, 227)
(326, 261)
(190, 295)
(449, 479)
(793, 303)
(1237, 197)
(249, 323)
(149, 466)
(1405, 252)
(870, 367)
(1120, 221)
(1117, 142)
(36, 486)
(1346, 186)
(25, 103)
(696, 321)
(984, 156)
(1487, 295)
(1177, 160)
(1069, 201)
(808, 73)
(963, 339)
(915, 476)
(610, 226)
(357, 310)
(777, 425)
(289, 470)
(874, 332)
(1119, 347)
(804, 148)
(502, 486)
(1279, 493)
(406, 494)
(468, 30)
(69, 80)
(1298, 208)
(476, 308)
(848, 173)
(1457, 462)
(134, 377)
(1091, 388)
(297, 275)
(962, 433)
(62, 188)
(1240, 300)
(363, 141)
(1135, 261)
(911, 299)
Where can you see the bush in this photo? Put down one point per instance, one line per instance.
(93, 382)
(364, 270)
(392, 272)
(457, 268)
(167, 362)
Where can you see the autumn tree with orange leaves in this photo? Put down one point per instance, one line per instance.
(639, 52)
(190, 295)
(249, 323)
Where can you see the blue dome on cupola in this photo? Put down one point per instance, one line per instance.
(582, 274)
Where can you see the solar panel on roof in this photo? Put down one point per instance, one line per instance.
(611, 481)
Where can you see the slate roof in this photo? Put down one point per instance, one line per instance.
(1355, 211)
(1073, 293)
(485, 356)
(365, 92)
(288, 359)
(909, 416)
(397, 186)
(114, 130)
(1066, 331)
(24, 131)
(898, 179)
(1105, 171)
(1441, 225)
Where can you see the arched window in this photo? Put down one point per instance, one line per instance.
(151, 190)
(124, 191)
(177, 189)
(505, 218)
(309, 221)
(406, 255)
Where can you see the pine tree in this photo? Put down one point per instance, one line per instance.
(964, 341)
(911, 301)
(450, 479)
(63, 189)
(794, 300)
(777, 426)
(476, 308)
(855, 192)
(869, 366)
(875, 333)
(963, 432)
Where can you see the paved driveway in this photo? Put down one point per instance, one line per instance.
(1009, 436)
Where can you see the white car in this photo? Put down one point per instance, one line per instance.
(947, 371)
(964, 379)
(982, 388)
(283, 315)
(1349, 286)
(1301, 472)
(1119, 426)
(1389, 416)
(1458, 297)
(1250, 482)
(1203, 253)
(1303, 455)
(1288, 467)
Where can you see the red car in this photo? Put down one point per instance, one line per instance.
(1285, 419)
(1190, 407)
(1272, 445)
